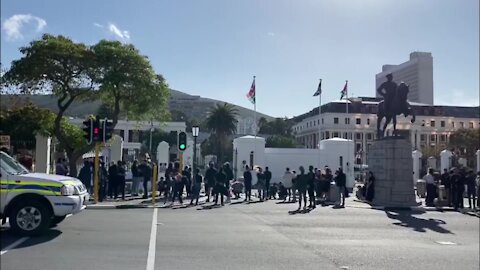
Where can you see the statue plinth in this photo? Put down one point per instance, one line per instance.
(390, 160)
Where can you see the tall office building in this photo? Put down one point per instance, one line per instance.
(416, 72)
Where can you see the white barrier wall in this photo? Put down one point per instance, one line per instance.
(445, 160)
(251, 150)
(334, 153)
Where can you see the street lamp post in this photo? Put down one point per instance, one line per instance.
(151, 131)
(195, 131)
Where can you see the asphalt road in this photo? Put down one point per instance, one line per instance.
(251, 236)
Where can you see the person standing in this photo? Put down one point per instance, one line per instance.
(197, 184)
(294, 186)
(311, 187)
(301, 184)
(247, 177)
(370, 192)
(146, 171)
(136, 177)
(219, 189)
(187, 182)
(60, 168)
(229, 174)
(103, 181)
(287, 181)
(445, 181)
(470, 181)
(261, 184)
(85, 175)
(268, 177)
(120, 179)
(430, 180)
(458, 188)
(340, 181)
(112, 180)
(177, 188)
(210, 181)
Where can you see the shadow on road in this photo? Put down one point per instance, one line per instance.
(9, 237)
(407, 219)
(300, 211)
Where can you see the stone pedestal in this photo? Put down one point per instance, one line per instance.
(390, 160)
(42, 154)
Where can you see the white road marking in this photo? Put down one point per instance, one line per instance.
(13, 245)
(153, 241)
(448, 243)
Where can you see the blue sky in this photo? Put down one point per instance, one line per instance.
(213, 48)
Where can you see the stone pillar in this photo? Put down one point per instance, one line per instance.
(391, 163)
(163, 152)
(445, 160)
(416, 156)
(432, 162)
(478, 160)
(42, 154)
(116, 148)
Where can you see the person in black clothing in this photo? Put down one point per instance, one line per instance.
(470, 182)
(85, 174)
(197, 184)
(301, 183)
(261, 184)
(445, 181)
(311, 187)
(340, 181)
(247, 177)
(210, 181)
(220, 179)
(112, 180)
(229, 174)
(458, 187)
(120, 179)
(146, 171)
(103, 182)
(178, 187)
(187, 182)
(268, 176)
(370, 191)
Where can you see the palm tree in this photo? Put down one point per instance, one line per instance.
(222, 123)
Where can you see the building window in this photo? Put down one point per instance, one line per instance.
(335, 120)
(323, 135)
(358, 136)
(327, 135)
(358, 121)
(471, 124)
(432, 123)
(462, 125)
(358, 147)
(442, 123)
(443, 138)
(368, 121)
(345, 135)
(369, 136)
(423, 137)
(322, 121)
(453, 124)
(347, 121)
(433, 138)
(335, 135)
(314, 123)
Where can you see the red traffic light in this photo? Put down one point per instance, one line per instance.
(96, 131)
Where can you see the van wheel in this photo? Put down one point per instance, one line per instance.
(56, 219)
(30, 217)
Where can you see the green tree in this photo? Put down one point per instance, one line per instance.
(280, 141)
(222, 123)
(128, 82)
(465, 142)
(56, 64)
(279, 126)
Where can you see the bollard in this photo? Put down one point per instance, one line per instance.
(154, 183)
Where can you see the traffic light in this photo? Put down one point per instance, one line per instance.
(182, 141)
(107, 130)
(96, 136)
(88, 129)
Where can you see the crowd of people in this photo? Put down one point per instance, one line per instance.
(454, 182)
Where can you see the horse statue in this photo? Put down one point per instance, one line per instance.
(399, 106)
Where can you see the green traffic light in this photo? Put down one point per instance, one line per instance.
(182, 146)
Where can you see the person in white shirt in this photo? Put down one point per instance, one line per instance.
(431, 189)
(287, 182)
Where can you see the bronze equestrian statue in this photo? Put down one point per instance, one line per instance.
(394, 103)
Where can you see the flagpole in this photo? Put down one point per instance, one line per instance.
(346, 94)
(255, 110)
(320, 122)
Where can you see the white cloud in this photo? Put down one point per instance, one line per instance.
(98, 25)
(13, 25)
(458, 97)
(121, 34)
(271, 34)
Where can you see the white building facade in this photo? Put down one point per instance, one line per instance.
(416, 72)
(432, 128)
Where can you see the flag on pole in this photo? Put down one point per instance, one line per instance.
(251, 93)
(344, 91)
(319, 89)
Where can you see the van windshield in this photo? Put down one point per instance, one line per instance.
(10, 165)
